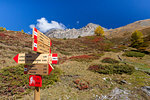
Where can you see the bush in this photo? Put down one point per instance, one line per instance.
(81, 84)
(16, 82)
(79, 36)
(82, 58)
(133, 54)
(64, 38)
(1, 29)
(110, 60)
(112, 69)
(85, 58)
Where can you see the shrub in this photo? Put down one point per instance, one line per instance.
(17, 81)
(81, 84)
(64, 38)
(110, 60)
(79, 36)
(112, 69)
(133, 54)
(84, 58)
(81, 58)
(65, 53)
(1, 29)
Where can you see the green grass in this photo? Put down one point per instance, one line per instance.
(112, 69)
(65, 53)
(139, 78)
(109, 60)
(139, 66)
(133, 54)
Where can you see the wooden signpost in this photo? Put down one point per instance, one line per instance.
(40, 63)
(23, 58)
(41, 43)
(40, 47)
(41, 37)
(36, 69)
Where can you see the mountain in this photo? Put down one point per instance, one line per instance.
(80, 59)
(88, 30)
(127, 30)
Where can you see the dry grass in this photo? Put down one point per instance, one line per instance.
(12, 43)
(98, 83)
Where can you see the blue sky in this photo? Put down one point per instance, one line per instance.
(19, 14)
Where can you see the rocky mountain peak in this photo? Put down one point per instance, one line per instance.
(88, 30)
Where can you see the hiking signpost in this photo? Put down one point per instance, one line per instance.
(39, 63)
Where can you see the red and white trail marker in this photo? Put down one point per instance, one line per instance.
(35, 80)
(35, 33)
(50, 68)
(54, 58)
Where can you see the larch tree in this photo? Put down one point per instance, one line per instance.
(4, 29)
(99, 31)
(136, 39)
(22, 31)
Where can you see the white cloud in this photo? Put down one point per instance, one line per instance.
(44, 25)
(78, 22)
(31, 26)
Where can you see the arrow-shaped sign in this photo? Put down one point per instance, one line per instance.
(37, 35)
(40, 47)
(23, 58)
(38, 69)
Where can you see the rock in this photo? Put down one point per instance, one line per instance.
(20, 89)
(117, 94)
(146, 89)
(73, 33)
(123, 82)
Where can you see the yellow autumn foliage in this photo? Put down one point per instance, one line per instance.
(99, 31)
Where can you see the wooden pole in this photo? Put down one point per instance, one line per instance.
(37, 93)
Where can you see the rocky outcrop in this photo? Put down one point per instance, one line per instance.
(73, 33)
(146, 89)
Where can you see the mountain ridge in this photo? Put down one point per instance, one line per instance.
(88, 30)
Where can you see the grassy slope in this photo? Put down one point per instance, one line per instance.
(78, 70)
(12, 43)
(74, 70)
